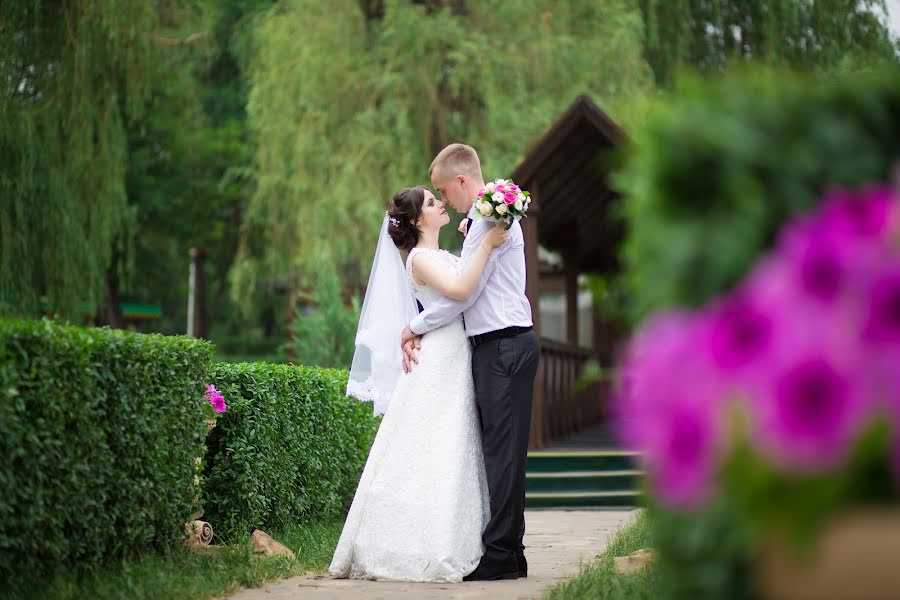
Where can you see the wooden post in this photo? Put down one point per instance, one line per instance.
(532, 290)
(571, 297)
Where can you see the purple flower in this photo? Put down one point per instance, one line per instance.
(881, 319)
(215, 399)
(668, 407)
(683, 460)
(810, 410)
(740, 332)
(655, 358)
(819, 261)
(867, 214)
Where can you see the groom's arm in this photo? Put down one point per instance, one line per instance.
(443, 310)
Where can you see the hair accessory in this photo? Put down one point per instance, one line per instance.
(395, 221)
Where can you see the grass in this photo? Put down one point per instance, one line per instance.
(182, 575)
(599, 581)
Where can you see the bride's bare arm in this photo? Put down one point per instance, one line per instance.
(429, 270)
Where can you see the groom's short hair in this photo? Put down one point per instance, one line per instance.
(456, 159)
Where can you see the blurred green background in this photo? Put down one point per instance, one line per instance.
(270, 135)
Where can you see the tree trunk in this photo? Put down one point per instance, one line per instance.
(113, 309)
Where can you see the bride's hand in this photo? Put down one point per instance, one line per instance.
(496, 236)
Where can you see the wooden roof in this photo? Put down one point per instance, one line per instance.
(567, 172)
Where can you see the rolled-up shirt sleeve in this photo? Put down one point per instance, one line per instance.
(443, 310)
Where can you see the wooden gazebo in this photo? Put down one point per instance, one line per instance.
(567, 174)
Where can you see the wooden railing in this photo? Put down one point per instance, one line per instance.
(560, 409)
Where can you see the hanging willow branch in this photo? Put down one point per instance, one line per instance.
(811, 34)
(73, 76)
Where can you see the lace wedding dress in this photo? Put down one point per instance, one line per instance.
(422, 502)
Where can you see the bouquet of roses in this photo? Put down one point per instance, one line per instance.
(503, 200)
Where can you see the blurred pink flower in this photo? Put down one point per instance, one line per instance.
(740, 332)
(509, 198)
(668, 408)
(881, 316)
(810, 410)
(864, 214)
(683, 458)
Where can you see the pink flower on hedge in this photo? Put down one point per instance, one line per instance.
(215, 398)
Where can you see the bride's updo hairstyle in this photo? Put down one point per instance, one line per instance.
(405, 209)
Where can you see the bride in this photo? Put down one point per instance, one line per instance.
(422, 501)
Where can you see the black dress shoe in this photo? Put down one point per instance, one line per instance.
(523, 566)
(486, 572)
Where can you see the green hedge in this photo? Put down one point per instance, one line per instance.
(98, 434)
(717, 166)
(290, 447)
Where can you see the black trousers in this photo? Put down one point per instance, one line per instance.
(504, 372)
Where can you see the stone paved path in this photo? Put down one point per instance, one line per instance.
(557, 542)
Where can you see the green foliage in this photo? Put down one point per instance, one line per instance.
(705, 556)
(324, 335)
(185, 158)
(599, 580)
(707, 36)
(290, 447)
(74, 75)
(185, 575)
(717, 168)
(807, 503)
(98, 434)
(350, 105)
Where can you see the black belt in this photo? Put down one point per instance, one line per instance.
(490, 336)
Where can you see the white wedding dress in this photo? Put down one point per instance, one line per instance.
(422, 501)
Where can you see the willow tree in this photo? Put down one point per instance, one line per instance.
(810, 34)
(351, 99)
(74, 75)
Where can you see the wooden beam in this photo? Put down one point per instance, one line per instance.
(570, 259)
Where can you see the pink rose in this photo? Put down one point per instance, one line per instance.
(509, 198)
(481, 194)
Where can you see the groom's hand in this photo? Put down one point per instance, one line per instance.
(410, 343)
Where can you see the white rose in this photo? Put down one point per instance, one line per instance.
(486, 209)
(500, 182)
(497, 197)
(501, 209)
(519, 204)
(520, 197)
(489, 188)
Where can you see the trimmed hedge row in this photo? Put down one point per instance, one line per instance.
(290, 447)
(719, 165)
(98, 434)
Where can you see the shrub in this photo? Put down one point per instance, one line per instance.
(98, 434)
(717, 167)
(290, 447)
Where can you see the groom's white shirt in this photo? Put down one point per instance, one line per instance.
(499, 300)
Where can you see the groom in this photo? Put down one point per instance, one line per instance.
(505, 353)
